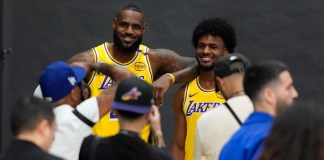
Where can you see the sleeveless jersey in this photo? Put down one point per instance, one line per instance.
(197, 101)
(139, 65)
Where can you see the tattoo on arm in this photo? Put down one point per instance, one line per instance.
(86, 56)
(170, 61)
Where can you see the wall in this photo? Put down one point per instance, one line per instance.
(40, 32)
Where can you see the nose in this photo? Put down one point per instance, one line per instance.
(295, 93)
(206, 50)
(129, 30)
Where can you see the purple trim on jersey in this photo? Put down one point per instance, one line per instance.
(202, 89)
(149, 64)
(131, 108)
(116, 62)
(96, 60)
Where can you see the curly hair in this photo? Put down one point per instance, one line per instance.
(216, 27)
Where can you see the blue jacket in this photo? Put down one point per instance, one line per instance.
(247, 142)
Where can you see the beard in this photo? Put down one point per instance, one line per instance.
(205, 68)
(282, 106)
(120, 46)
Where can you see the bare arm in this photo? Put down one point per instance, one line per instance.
(162, 84)
(184, 69)
(107, 96)
(85, 56)
(168, 61)
(180, 128)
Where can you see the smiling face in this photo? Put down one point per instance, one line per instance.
(209, 50)
(129, 28)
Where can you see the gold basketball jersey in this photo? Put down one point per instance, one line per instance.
(139, 65)
(197, 100)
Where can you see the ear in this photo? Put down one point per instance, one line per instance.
(114, 23)
(75, 95)
(269, 96)
(144, 27)
(225, 51)
(42, 127)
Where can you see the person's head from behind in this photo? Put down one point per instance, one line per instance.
(33, 119)
(269, 84)
(133, 100)
(229, 72)
(213, 38)
(297, 133)
(129, 27)
(63, 84)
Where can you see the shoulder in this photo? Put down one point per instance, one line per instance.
(52, 157)
(160, 154)
(180, 91)
(216, 113)
(162, 54)
(240, 100)
(90, 103)
(85, 147)
(62, 109)
(85, 56)
(89, 108)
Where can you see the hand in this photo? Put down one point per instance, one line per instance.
(155, 120)
(160, 86)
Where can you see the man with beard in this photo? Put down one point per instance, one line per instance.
(127, 51)
(270, 87)
(62, 85)
(212, 39)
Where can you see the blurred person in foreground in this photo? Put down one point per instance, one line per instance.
(270, 87)
(33, 125)
(133, 104)
(297, 134)
(75, 112)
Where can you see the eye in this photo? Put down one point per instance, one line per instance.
(137, 27)
(123, 24)
(200, 46)
(213, 47)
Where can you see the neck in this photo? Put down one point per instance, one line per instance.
(206, 79)
(238, 93)
(265, 108)
(134, 126)
(120, 56)
(234, 85)
(31, 137)
(65, 101)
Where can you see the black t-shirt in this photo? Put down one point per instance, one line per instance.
(20, 149)
(122, 147)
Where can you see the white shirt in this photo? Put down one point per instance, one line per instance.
(70, 130)
(214, 128)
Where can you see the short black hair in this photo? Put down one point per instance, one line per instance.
(131, 7)
(216, 27)
(261, 74)
(129, 115)
(28, 112)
